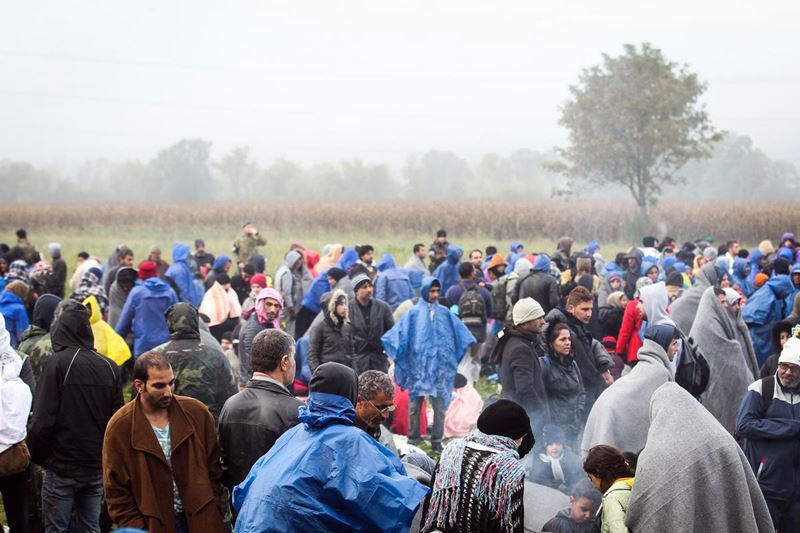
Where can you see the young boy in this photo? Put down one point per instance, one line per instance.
(580, 516)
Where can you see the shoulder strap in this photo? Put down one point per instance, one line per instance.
(767, 392)
(547, 362)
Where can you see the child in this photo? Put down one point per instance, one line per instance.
(558, 467)
(612, 475)
(465, 408)
(580, 516)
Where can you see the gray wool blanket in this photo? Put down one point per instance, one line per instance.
(620, 416)
(692, 475)
(541, 504)
(683, 310)
(715, 333)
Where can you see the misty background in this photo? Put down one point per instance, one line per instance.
(205, 101)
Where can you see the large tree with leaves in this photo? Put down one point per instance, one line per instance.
(635, 121)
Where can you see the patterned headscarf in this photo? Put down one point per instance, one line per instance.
(261, 312)
(18, 270)
(90, 285)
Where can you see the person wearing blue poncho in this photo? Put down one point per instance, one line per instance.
(181, 274)
(392, 285)
(762, 309)
(426, 345)
(325, 474)
(447, 272)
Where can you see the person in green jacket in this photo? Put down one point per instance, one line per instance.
(612, 475)
(248, 242)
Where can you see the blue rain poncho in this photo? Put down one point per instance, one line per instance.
(392, 284)
(182, 275)
(426, 345)
(764, 307)
(447, 272)
(324, 475)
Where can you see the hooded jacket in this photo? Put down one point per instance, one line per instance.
(320, 285)
(539, 284)
(392, 284)
(764, 307)
(447, 272)
(745, 283)
(426, 345)
(143, 314)
(692, 475)
(35, 342)
(78, 393)
(182, 275)
(325, 474)
(13, 310)
(15, 395)
(106, 340)
(201, 371)
(119, 294)
(620, 416)
(632, 273)
(330, 341)
(684, 309)
(289, 282)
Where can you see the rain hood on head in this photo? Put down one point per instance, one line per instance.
(72, 328)
(454, 254)
(426, 286)
(180, 252)
(542, 263)
(220, 262)
(387, 262)
(44, 309)
(291, 258)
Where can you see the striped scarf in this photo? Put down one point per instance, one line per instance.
(499, 475)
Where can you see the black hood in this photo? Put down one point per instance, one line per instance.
(335, 378)
(44, 310)
(72, 328)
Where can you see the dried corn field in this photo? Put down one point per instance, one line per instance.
(547, 221)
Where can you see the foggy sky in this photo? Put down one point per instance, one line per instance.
(330, 80)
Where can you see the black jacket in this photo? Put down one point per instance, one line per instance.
(610, 318)
(247, 333)
(78, 393)
(329, 344)
(541, 286)
(565, 395)
(542, 473)
(518, 353)
(367, 348)
(250, 423)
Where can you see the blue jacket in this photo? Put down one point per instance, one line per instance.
(324, 475)
(392, 284)
(447, 272)
(764, 307)
(788, 304)
(144, 314)
(741, 279)
(426, 345)
(774, 439)
(303, 372)
(13, 310)
(320, 285)
(181, 274)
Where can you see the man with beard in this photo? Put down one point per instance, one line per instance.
(374, 405)
(161, 459)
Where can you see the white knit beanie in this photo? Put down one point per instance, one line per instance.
(525, 310)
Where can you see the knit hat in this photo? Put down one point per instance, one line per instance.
(18, 288)
(790, 353)
(506, 418)
(336, 273)
(260, 280)
(761, 279)
(97, 272)
(552, 434)
(460, 381)
(525, 310)
(359, 280)
(147, 270)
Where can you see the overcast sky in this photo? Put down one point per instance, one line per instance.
(330, 80)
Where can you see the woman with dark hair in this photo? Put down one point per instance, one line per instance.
(612, 475)
(563, 383)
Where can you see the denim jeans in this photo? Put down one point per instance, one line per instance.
(63, 496)
(414, 407)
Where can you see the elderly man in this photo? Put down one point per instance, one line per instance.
(252, 420)
(161, 469)
(769, 421)
(374, 405)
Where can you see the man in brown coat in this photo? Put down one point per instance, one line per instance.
(161, 459)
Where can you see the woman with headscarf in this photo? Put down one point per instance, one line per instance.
(331, 340)
(122, 286)
(612, 475)
(692, 475)
(91, 286)
(479, 481)
(15, 405)
(563, 383)
(684, 309)
(40, 277)
(611, 313)
(325, 474)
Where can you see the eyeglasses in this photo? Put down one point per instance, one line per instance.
(385, 410)
(794, 369)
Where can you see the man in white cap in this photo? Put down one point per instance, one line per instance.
(769, 421)
(517, 352)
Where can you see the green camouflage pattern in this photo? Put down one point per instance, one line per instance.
(246, 245)
(201, 372)
(35, 343)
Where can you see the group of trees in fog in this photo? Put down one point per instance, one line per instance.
(636, 129)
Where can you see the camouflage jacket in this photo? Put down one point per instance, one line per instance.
(201, 371)
(35, 343)
(246, 245)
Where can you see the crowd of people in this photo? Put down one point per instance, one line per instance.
(654, 390)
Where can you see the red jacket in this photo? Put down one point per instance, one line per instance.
(628, 341)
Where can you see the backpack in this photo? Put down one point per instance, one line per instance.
(767, 392)
(472, 311)
(500, 299)
(693, 372)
